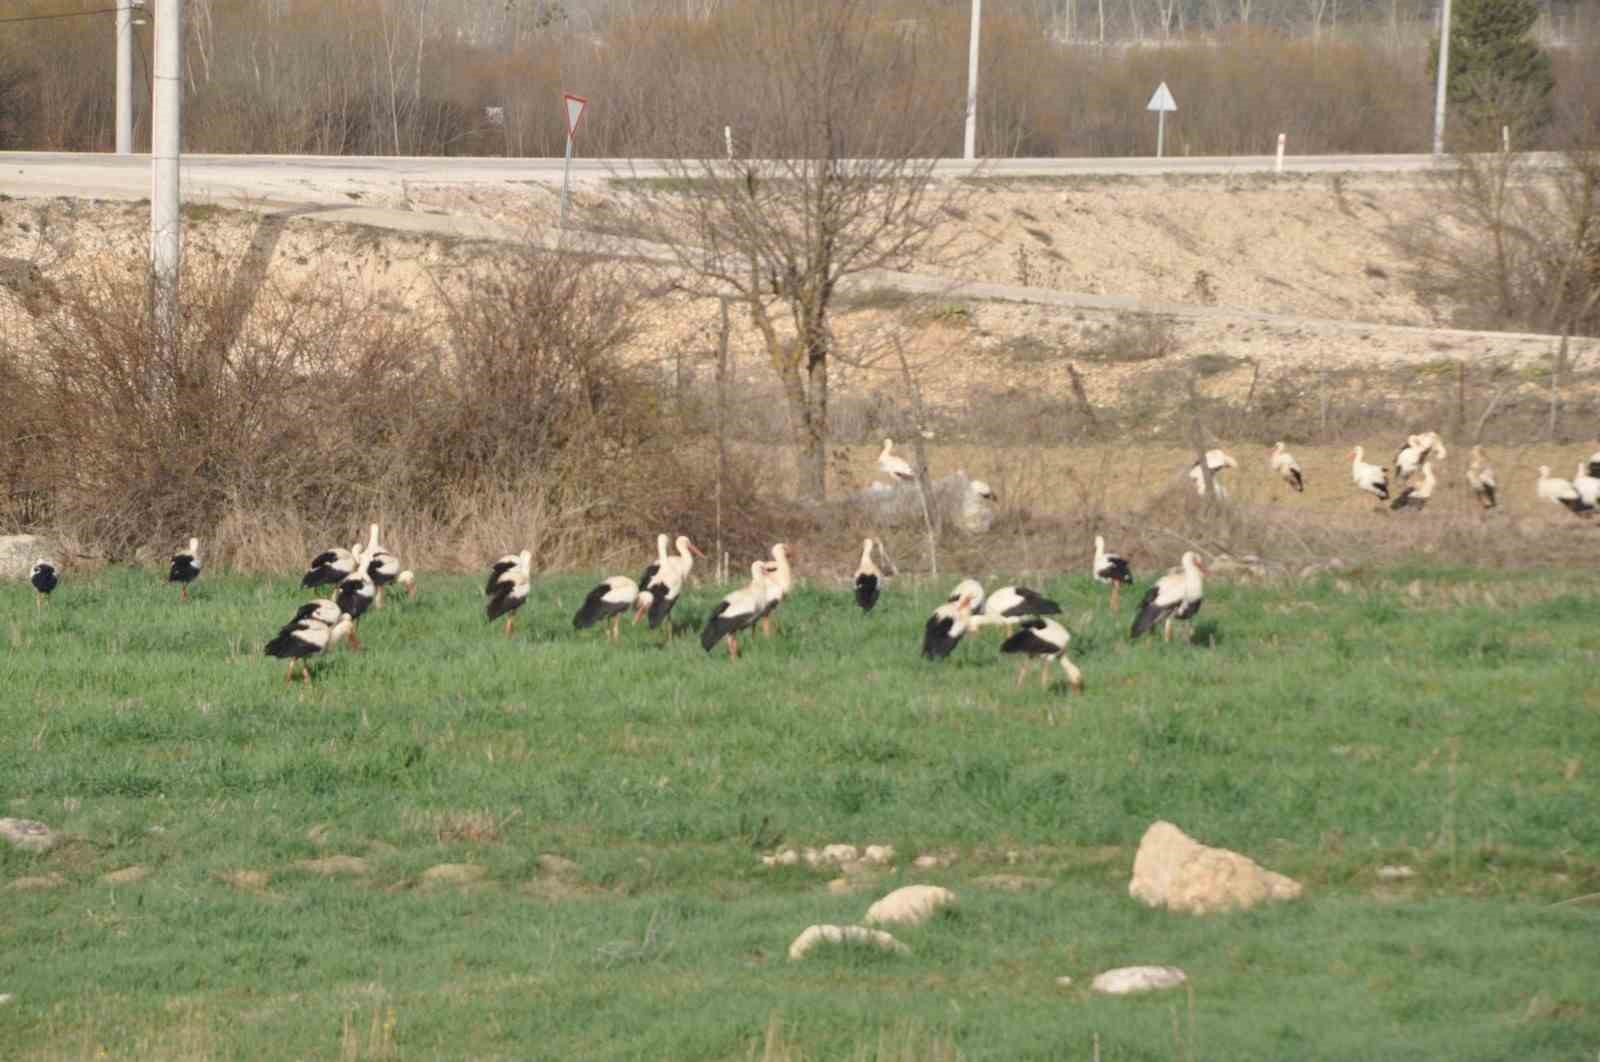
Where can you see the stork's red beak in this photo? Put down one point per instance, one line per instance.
(696, 551)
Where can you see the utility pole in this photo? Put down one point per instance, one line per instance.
(166, 128)
(971, 150)
(125, 77)
(1443, 78)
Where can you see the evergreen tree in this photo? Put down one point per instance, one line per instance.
(1498, 76)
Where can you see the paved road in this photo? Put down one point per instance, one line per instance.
(305, 179)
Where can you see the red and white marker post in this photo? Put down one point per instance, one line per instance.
(573, 106)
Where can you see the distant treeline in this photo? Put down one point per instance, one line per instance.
(1061, 77)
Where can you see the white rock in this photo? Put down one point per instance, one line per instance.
(1126, 980)
(879, 854)
(1175, 871)
(1395, 873)
(813, 936)
(911, 905)
(25, 833)
(19, 553)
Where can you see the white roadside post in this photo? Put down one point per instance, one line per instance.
(125, 75)
(166, 128)
(1161, 102)
(1443, 81)
(727, 139)
(574, 106)
(970, 149)
(1277, 166)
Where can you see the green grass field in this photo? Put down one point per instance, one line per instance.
(1446, 720)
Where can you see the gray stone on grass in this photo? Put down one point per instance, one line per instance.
(815, 936)
(1175, 871)
(910, 905)
(1128, 980)
(28, 834)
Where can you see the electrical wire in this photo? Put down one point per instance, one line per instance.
(59, 14)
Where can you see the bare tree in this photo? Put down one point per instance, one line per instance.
(838, 182)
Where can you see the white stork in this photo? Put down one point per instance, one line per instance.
(1177, 595)
(1415, 497)
(780, 578)
(967, 588)
(1587, 486)
(355, 596)
(1560, 491)
(1418, 451)
(1010, 604)
(1480, 477)
(648, 576)
(1288, 469)
(1043, 640)
(737, 611)
(304, 638)
(1594, 464)
(897, 467)
(507, 587)
(382, 566)
(1110, 568)
(1370, 478)
(869, 579)
(44, 578)
(1216, 460)
(322, 609)
(330, 567)
(668, 582)
(609, 600)
(946, 626)
(185, 568)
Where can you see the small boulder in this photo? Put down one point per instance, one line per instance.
(911, 905)
(1127, 980)
(814, 936)
(1175, 871)
(27, 834)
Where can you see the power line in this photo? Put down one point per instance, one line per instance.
(60, 14)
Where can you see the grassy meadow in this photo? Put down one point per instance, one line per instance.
(611, 805)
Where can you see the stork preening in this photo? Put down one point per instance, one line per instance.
(1418, 451)
(1043, 640)
(1009, 604)
(382, 566)
(967, 588)
(946, 626)
(780, 578)
(1480, 477)
(330, 567)
(648, 576)
(44, 579)
(507, 587)
(609, 600)
(667, 584)
(869, 578)
(1288, 469)
(1561, 491)
(1415, 497)
(354, 596)
(1177, 595)
(1112, 569)
(1216, 460)
(736, 612)
(185, 568)
(302, 639)
(1587, 486)
(1368, 477)
(897, 467)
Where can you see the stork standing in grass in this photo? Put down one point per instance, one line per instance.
(736, 612)
(1417, 452)
(1415, 497)
(1111, 568)
(382, 566)
(667, 585)
(869, 578)
(1009, 604)
(1368, 477)
(1480, 477)
(609, 600)
(330, 567)
(897, 467)
(1560, 491)
(1288, 469)
(302, 639)
(507, 588)
(945, 628)
(1044, 640)
(780, 579)
(354, 596)
(967, 588)
(648, 576)
(1216, 460)
(44, 579)
(1177, 595)
(185, 568)
(1587, 485)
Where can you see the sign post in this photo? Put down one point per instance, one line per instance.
(1161, 103)
(574, 106)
